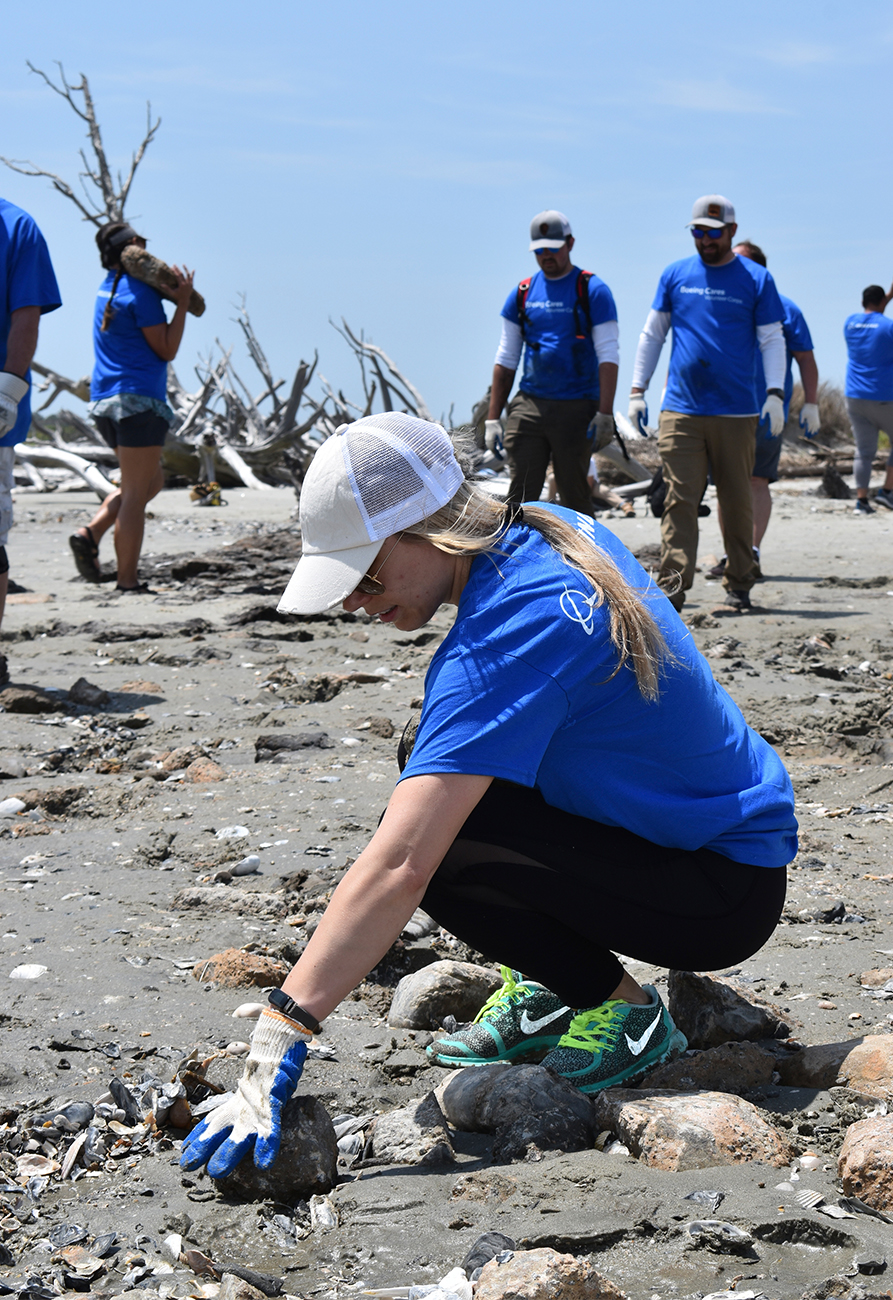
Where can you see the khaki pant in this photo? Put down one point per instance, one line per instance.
(690, 447)
(537, 431)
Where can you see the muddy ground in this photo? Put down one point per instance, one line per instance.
(90, 870)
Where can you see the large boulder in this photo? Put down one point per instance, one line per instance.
(731, 1067)
(711, 1011)
(863, 1064)
(865, 1164)
(489, 1097)
(544, 1274)
(305, 1166)
(671, 1130)
(443, 988)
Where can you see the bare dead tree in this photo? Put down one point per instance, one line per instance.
(112, 193)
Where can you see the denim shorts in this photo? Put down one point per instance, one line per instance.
(145, 429)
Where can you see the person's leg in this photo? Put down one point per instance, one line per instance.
(567, 426)
(557, 895)
(865, 436)
(140, 469)
(730, 447)
(767, 455)
(761, 500)
(683, 452)
(527, 449)
(7, 479)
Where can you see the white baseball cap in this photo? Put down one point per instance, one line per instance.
(370, 479)
(712, 210)
(548, 229)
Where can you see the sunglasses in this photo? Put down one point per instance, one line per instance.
(701, 232)
(370, 584)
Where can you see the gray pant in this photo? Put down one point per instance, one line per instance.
(868, 419)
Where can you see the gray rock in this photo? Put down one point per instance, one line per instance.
(414, 1135)
(306, 1164)
(11, 766)
(463, 1095)
(490, 1097)
(269, 907)
(236, 1288)
(86, 693)
(454, 988)
(731, 1067)
(710, 1012)
(529, 1136)
(29, 699)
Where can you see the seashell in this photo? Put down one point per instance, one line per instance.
(248, 1011)
(616, 1148)
(80, 1263)
(351, 1144)
(232, 833)
(95, 1148)
(720, 1234)
(810, 1162)
(835, 1212)
(28, 972)
(77, 1113)
(66, 1234)
(103, 1245)
(237, 1049)
(247, 867)
(323, 1215)
(34, 1164)
(72, 1154)
(809, 1200)
(173, 1245)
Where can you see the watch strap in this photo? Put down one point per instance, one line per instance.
(288, 1007)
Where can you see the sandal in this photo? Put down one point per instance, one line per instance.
(86, 556)
(141, 589)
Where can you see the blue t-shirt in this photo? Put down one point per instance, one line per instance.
(715, 313)
(797, 338)
(558, 365)
(124, 361)
(869, 341)
(26, 280)
(525, 688)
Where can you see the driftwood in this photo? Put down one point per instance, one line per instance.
(33, 455)
(145, 266)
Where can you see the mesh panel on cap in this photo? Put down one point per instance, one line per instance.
(401, 468)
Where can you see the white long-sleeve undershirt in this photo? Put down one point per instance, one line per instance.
(770, 339)
(605, 339)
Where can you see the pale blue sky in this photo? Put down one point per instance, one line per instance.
(382, 162)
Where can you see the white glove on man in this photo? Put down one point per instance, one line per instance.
(493, 436)
(252, 1118)
(773, 411)
(810, 422)
(638, 413)
(12, 390)
(602, 429)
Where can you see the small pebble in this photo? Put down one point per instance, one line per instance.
(828, 1006)
(248, 1011)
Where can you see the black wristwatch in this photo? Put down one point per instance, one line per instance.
(775, 392)
(288, 1007)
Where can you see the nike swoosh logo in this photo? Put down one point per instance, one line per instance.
(529, 1026)
(638, 1045)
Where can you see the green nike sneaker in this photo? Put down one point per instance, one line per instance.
(520, 1021)
(615, 1043)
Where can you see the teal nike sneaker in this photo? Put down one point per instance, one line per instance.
(520, 1021)
(616, 1043)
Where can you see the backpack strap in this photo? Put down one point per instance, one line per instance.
(520, 300)
(582, 301)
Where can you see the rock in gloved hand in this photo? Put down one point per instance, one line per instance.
(251, 1120)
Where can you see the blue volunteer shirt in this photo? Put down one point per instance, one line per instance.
(715, 312)
(525, 687)
(557, 364)
(26, 280)
(797, 338)
(124, 361)
(869, 341)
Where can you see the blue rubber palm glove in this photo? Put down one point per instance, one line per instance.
(810, 421)
(252, 1118)
(638, 413)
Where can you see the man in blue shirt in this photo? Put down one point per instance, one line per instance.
(566, 322)
(798, 346)
(869, 391)
(722, 308)
(28, 288)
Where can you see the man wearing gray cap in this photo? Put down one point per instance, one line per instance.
(721, 309)
(566, 322)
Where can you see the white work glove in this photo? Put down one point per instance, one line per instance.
(809, 420)
(601, 430)
(638, 413)
(493, 437)
(773, 411)
(12, 390)
(252, 1118)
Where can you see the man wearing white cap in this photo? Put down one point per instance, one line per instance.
(721, 309)
(566, 322)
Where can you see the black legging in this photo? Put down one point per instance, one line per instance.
(551, 894)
